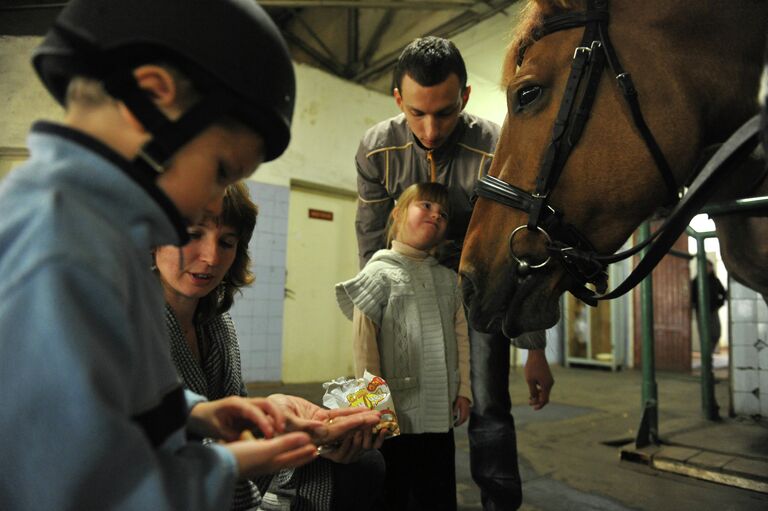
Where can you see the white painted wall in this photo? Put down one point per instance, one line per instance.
(331, 116)
(23, 99)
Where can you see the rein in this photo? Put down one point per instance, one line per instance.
(563, 241)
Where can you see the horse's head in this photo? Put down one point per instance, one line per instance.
(608, 182)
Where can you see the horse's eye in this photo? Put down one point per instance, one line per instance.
(527, 96)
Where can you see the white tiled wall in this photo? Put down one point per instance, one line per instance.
(749, 350)
(258, 312)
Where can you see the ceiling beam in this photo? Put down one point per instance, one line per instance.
(353, 42)
(296, 4)
(446, 30)
(336, 62)
(374, 4)
(331, 66)
(378, 33)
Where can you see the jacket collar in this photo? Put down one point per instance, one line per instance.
(446, 151)
(128, 168)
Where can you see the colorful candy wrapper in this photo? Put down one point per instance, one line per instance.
(369, 391)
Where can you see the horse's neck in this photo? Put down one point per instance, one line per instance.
(709, 52)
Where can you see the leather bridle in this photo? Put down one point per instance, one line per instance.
(563, 241)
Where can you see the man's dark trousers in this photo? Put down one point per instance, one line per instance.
(492, 438)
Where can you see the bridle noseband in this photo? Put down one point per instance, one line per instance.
(563, 241)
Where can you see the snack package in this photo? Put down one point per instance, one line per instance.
(369, 391)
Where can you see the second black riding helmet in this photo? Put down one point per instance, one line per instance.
(230, 49)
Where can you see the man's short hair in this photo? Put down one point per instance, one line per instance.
(429, 61)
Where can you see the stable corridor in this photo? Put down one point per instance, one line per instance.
(569, 451)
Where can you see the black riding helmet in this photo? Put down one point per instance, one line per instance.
(230, 49)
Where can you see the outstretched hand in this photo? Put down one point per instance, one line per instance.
(325, 426)
(539, 378)
(226, 418)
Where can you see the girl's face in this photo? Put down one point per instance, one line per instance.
(424, 226)
(205, 260)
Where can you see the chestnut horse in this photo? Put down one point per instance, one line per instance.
(695, 68)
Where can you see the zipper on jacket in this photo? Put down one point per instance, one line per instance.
(432, 168)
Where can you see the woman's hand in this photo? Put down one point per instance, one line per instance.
(460, 410)
(354, 444)
(226, 418)
(267, 456)
(325, 426)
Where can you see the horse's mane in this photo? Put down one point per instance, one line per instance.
(530, 20)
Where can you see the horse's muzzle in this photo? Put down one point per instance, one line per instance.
(479, 316)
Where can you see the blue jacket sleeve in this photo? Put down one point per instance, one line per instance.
(70, 369)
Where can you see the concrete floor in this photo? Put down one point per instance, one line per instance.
(570, 450)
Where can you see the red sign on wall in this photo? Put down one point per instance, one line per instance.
(321, 215)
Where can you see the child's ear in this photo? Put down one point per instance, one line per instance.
(161, 88)
(159, 84)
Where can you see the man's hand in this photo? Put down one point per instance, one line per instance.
(539, 379)
(226, 418)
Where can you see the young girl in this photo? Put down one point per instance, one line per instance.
(409, 328)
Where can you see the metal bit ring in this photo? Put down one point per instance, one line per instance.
(524, 265)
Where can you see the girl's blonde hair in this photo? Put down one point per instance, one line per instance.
(432, 192)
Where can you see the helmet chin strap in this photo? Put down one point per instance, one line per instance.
(168, 136)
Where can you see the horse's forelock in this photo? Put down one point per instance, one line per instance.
(530, 20)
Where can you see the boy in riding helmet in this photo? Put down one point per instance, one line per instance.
(167, 102)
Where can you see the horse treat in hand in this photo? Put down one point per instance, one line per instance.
(369, 391)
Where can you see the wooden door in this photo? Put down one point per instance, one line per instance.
(671, 310)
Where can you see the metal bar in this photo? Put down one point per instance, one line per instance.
(296, 4)
(734, 206)
(648, 432)
(353, 36)
(709, 405)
